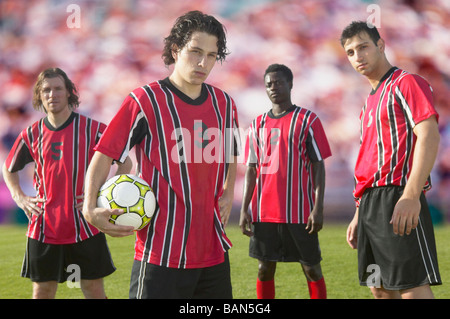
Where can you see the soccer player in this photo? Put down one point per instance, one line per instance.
(285, 184)
(183, 129)
(60, 145)
(392, 227)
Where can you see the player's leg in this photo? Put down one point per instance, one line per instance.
(316, 282)
(93, 289)
(422, 292)
(404, 265)
(45, 290)
(266, 247)
(94, 262)
(304, 247)
(265, 283)
(381, 293)
(43, 265)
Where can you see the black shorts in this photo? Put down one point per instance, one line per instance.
(392, 261)
(150, 281)
(48, 262)
(284, 243)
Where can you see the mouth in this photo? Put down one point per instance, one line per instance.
(200, 74)
(361, 66)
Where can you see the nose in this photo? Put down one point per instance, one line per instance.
(202, 61)
(358, 55)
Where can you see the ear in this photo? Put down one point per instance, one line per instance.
(174, 51)
(381, 45)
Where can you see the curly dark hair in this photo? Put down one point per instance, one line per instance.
(189, 23)
(356, 27)
(53, 73)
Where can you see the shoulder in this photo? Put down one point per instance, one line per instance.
(217, 91)
(405, 79)
(144, 90)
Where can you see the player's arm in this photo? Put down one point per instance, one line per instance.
(226, 200)
(407, 209)
(249, 187)
(125, 167)
(315, 220)
(122, 168)
(28, 204)
(96, 176)
(352, 230)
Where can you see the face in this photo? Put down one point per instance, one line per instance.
(54, 95)
(195, 60)
(363, 54)
(277, 87)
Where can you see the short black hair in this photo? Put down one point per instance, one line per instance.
(280, 68)
(189, 23)
(356, 27)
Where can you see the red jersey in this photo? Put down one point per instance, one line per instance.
(184, 149)
(282, 148)
(388, 118)
(61, 158)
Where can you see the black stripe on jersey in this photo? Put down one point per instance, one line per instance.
(262, 150)
(165, 172)
(41, 161)
(75, 167)
(228, 141)
(88, 142)
(303, 135)
(394, 136)
(380, 133)
(290, 164)
(409, 134)
(184, 180)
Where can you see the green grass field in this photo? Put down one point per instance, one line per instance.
(339, 267)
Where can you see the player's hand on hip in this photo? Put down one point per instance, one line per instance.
(406, 216)
(30, 205)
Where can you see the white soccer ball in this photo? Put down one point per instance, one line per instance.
(133, 195)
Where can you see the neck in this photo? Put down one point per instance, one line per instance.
(58, 119)
(191, 90)
(375, 77)
(278, 109)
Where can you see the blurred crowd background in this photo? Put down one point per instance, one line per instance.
(115, 46)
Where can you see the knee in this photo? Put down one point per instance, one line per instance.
(313, 273)
(44, 290)
(93, 289)
(266, 270)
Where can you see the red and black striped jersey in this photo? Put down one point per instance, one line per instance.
(388, 118)
(282, 148)
(61, 158)
(184, 148)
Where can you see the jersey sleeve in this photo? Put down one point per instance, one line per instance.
(19, 156)
(317, 145)
(250, 153)
(127, 128)
(416, 97)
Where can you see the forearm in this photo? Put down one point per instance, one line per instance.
(12, 181)
(125, 167)
(231, 178)
(96, 175)
(319, 182)
(249, 187)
